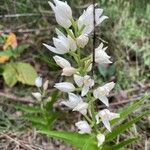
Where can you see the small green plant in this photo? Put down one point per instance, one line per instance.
(41, 114)
(13, 70)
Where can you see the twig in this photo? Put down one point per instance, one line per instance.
(25, 30)
(22, 15)
(15, 98)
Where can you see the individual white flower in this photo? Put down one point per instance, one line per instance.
(100, 139)
(103, 91)
(86, 20)
(38, 82)
(82, 40)
(63, 13)
(82, 108)
(45, 85)
(60, 61)
(62, 44)
(101, 56)
(73, 101)
(65, 87)
(76, 103)
(68, 70)
(106, 116)
(71, 41)
(83, 127)
(85, 82)
(37, 95)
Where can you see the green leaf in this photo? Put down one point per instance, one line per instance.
(102, 70)
(123, 127)
(9, 74)
(26, 74)
(28, 109)
(83, 142)
(35, 119)
(52, 100)
(22, 72)
(123, 144)
(20, 49)
(111, 70)
(129, 109)
(8, 52)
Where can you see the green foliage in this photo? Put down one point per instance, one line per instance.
(22, 72)
(106, 72)
(88, 142)
(84, 142)
(41, 115)
(117, 131)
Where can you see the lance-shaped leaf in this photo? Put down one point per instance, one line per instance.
(118, 130)
(84, 142)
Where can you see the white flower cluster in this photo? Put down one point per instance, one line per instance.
(72, 41)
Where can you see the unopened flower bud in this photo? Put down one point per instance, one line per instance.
(45, 85)
(38, 82)
(37, 95)
(82, 40)
(100, 139)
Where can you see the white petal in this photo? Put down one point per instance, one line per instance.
(85, 90)
(83, 127)
(113, 116)
(97, 119)
(100, 139)
(61, 44)
(96, 93)
(53, 49)
(106, 124)
(73, 101)
(37, 95)
(61, 62)
(72, 43)
(65, 87)
(110, 86)
(82, 40)
(38, 81)
(78, 80)
(69, 71)
(81, 107)
(104, 99)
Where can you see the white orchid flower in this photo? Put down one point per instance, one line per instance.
(106, 116)
(76, 103)
(38, 82)
(82, 40)
(83, 127)
(63, 13)
(87, 18)
(101, 56)
(102, 92)
(68, 70)
(85, 82)
(37, 95)
(65, 87)
(62, 44)
(100, 139)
